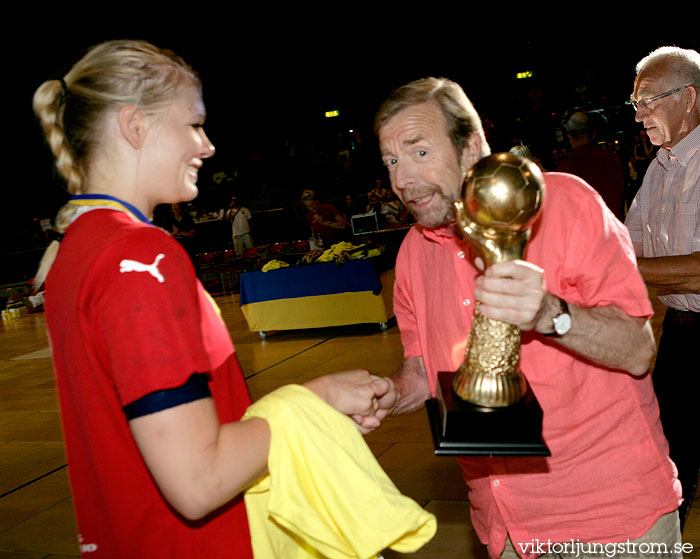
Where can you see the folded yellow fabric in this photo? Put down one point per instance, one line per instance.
(325, 495)
(334, 251)
(274, 265)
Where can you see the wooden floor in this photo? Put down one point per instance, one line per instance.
(36, 516)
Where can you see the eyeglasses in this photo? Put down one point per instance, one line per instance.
(644, 103)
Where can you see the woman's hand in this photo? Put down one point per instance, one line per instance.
(355, 393)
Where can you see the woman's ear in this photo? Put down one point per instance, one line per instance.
(133, 125)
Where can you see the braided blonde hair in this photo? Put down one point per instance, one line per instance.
(72, 110)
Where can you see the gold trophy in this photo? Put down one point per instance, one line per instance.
(501, 197)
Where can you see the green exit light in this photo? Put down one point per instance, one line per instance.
(331, 114)
(523, 75)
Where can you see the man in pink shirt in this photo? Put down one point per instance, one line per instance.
(609, 480)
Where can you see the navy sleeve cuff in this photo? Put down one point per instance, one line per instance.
(196, 388)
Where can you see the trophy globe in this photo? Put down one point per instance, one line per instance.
(501, 197)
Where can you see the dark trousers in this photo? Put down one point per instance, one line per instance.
(676, 380)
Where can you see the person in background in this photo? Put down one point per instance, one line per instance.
(664, 224)
(641, 154)
(327, 224)
(379, 191)
(183, 230)
(599, 167)
(391, 209)
(522, 150)
(350, 208)
(240, 219)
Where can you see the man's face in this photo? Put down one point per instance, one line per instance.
(664, 120)
(425, 172)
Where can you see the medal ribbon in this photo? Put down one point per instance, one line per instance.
(105, 200)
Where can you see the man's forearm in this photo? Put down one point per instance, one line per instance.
(676, 274)
(515, 292)
(411, 384)
(608, 337)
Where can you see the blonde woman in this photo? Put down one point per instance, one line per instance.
(149, 384)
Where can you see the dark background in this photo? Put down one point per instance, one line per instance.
(267, 86)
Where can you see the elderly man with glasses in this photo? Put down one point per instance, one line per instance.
(664, 224)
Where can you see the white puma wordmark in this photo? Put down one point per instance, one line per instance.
(134, 266)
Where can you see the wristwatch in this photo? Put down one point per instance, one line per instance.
(562, 321)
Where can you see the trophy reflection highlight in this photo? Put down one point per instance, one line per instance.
(501, 197)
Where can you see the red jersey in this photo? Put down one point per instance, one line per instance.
(128, 317)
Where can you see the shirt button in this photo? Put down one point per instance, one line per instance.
(460, 254)
(497, 483)
(466, 302)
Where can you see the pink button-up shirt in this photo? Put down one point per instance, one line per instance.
(609, 477)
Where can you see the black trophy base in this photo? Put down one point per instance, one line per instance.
(463, 429)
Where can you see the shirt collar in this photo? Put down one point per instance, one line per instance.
(683, 151)
(108, 201)
(439, 234)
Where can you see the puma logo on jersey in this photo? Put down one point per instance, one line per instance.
(134, 266)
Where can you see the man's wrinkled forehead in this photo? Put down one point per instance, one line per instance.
(651, 81)
(418, 116)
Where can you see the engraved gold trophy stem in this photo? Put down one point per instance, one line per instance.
(501, 197)
(490, 375)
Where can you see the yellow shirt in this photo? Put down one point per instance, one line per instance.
(325, 495)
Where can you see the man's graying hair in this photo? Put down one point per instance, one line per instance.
(460, 115)
(682, 64)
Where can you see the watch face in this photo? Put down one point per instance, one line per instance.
(562, 324)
